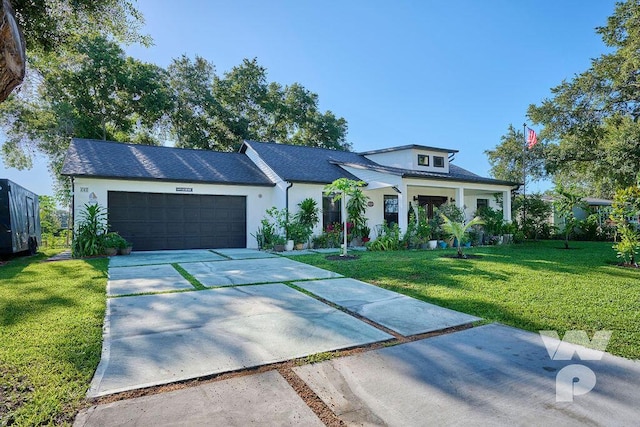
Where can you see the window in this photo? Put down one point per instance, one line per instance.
(423, 160)
(330, 211)
(438, 161)
(482, 204)
(391, 209)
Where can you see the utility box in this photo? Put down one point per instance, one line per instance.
(19, 219)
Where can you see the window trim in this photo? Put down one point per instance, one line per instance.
(478, 207)
(435, 161)
(385, 214)
(328, 213)
(423, 160)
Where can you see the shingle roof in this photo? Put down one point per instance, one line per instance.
(106, 159)
(319, 165)
(297, 163)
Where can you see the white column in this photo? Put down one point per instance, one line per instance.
(460, 199)
(403, 207)
(506, 205)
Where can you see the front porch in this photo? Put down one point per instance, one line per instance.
(393, 203)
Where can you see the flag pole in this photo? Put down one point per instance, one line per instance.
(524, 174)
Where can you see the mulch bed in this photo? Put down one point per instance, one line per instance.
(626, 265)
(466, 256)
(341, 257)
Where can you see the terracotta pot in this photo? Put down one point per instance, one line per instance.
(126, 251)
(110, 251)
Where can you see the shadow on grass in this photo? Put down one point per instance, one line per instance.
(53, 315)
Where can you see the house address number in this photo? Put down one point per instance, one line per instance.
(184, 189)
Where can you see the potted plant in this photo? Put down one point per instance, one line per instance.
(508, 231)
(113, 243)
(309, 215)
(423, 230)
(365, 232)
(279, 243)
(125, 248)
(299, 233)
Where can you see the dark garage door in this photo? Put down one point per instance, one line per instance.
(153, 221)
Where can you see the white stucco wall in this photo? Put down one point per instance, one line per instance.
(259, 199)
(408, 159)
(298, 192)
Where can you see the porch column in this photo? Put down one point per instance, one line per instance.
(506, 205)
(403, 207)
(460, 200)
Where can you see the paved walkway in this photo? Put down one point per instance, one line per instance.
(489, 374)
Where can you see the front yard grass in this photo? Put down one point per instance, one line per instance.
(534, 286)
(51, 316)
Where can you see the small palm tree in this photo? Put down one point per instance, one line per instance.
(459, 230)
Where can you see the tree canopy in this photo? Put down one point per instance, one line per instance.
(95, 92)
(52, 25)
(218, 112)
(590, 124)
(506, 159)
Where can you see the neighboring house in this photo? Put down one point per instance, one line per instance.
(601, 207)
(171, 198)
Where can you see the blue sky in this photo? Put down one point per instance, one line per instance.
(452, 73)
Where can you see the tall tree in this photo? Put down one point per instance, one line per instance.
(95, 92)
(594, 118)
(49, 221)
(507, 158)
(218, 112)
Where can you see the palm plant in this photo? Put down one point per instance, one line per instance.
(459, 230)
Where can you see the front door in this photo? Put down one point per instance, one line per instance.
(431, 202)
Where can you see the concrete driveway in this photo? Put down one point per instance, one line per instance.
(160, 328)
(488, 374)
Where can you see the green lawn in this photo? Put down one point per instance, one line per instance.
(51, 318)
(535, 286)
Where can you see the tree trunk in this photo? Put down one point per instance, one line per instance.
(12, 52)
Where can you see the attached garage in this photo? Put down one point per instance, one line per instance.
(170, 198)
(154, 221)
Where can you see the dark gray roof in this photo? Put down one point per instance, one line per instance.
(298, 163)
(106, 159)
(408, 147)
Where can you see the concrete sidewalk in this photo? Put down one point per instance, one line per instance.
(488, 375)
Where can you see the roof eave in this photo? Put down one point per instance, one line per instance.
(408, 147)
(175, 180)
(462, 179)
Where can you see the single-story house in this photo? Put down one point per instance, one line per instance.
(172, 198)
(591, 205)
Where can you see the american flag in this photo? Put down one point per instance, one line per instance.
(532, 139)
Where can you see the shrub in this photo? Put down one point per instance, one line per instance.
(388, 240)
(535, 223)
(308, 212)
(494, 224)
(89, 236)
(114, 240)
(627, 247)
